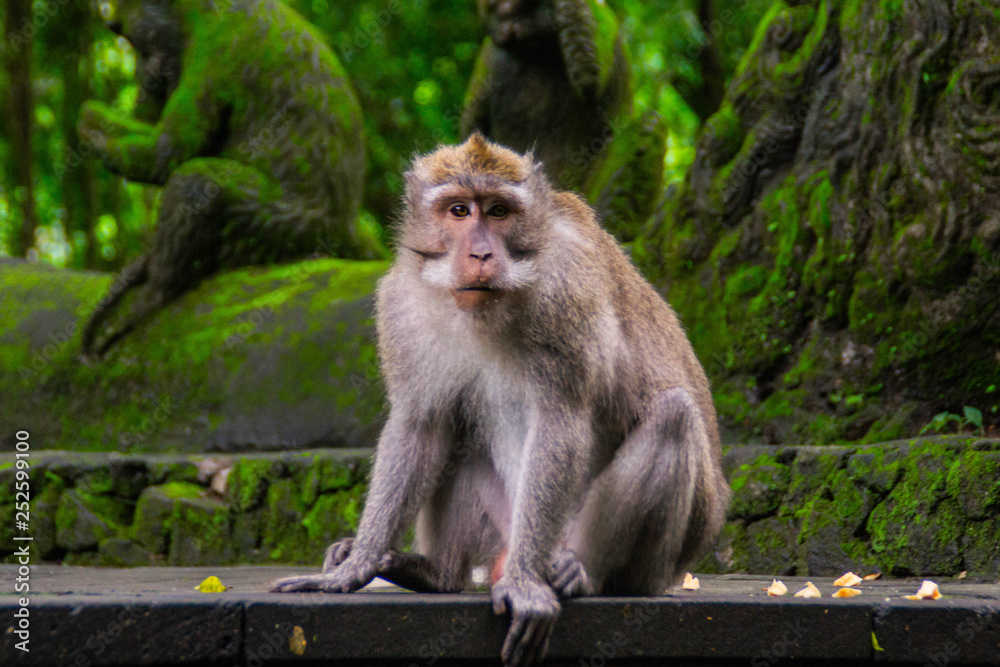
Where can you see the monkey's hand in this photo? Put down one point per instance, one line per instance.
(349, 576)
(569, 578)
(95, 125)
(533, 607)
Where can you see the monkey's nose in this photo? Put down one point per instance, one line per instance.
(481, 256)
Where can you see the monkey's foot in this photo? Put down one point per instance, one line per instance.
(569, 578)
(337, 553)
(345, 578)
(533, 608)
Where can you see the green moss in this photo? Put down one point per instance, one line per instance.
(917, 530)
(213, 373)
(974, 480)
(82, 519)
(248, 482)
(758, 487)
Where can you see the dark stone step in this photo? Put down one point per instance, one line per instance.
(151, 616)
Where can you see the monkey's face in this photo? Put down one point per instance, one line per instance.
(474, 223)
(474, 247)
(512, 23)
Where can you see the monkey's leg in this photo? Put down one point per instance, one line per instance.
(645, 515)
(131, 276)
(202, 199)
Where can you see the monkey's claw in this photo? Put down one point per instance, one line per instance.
(569, 578)
(533, 608)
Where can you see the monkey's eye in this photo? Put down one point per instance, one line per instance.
(459, 210)
(498, 211)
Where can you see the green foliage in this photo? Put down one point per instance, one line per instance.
(410, 63)
(950, 422)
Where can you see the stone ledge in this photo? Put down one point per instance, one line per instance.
(87, 616)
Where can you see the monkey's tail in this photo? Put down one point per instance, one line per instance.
(133, 275)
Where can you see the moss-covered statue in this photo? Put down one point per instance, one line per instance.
(552, 77)
(250, 123)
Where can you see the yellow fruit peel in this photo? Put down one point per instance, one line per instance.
(928, 591)
(810, 591)
(846, 593)
(776, 588)
(848, 580)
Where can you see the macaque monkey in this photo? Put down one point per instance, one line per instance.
(548, 415)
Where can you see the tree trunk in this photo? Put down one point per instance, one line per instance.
(78, 182)
(18, 34)
(835, 248)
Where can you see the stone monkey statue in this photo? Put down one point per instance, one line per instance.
(552, 77)
(249, 122)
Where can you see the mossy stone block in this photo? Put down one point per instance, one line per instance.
(333, 517)
(981, 547)
(200, 533)
(327, 472)
(161, 472)
(155, 510)
(248, 481)
(44, 505)
(123, 479)
(974, 479)
(286, 539)
(771, 546)
(878, 468)
(83, 519)
(122, 552)
(811, 470)
(758, 487)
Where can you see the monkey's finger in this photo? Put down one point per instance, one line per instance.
(513, 645)
(527, 649)
(298, 584)
(500, 604)
(540, 645)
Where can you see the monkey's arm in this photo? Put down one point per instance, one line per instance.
(475, 115)
(99, 117)
(551, 478)
(587, 35)
(408, 463)
(149, 153)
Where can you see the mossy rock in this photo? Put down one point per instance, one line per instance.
(261, 358)
(974, 479)
(122, 552)
(771, 546)
(201, 532)
(155, 510)
(918, 529)
(981, 547)
(758, 488)
(837, 287)
(84, 519)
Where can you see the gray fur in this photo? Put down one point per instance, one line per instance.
(567, 425)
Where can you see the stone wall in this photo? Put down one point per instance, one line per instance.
(118, 510)
(929, 506)
(925, 507)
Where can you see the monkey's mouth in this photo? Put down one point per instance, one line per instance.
(475, 297)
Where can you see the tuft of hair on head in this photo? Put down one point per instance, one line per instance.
(475, 157)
